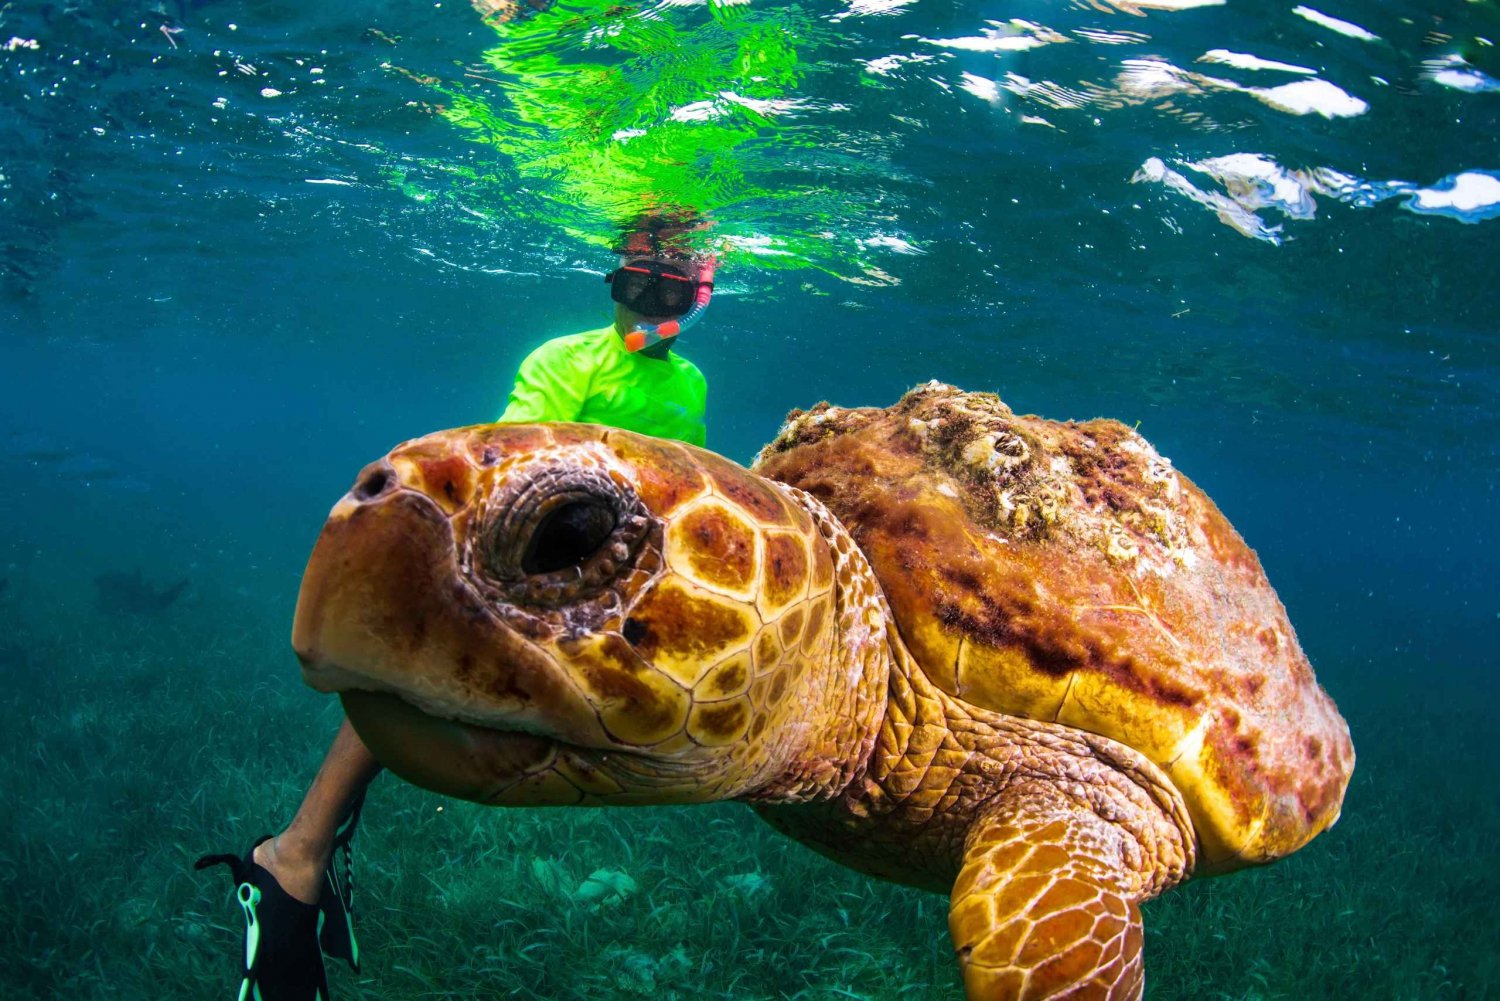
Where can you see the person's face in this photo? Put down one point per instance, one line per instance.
(627, 318)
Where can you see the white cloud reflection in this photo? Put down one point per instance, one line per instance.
(1252, 183)
(1231, 211)
(888, 65)
(1334, 24)
(1139, 7)
(1307, 97)
(981, 87)
(1014, 35)
(1455, 72)
(1471, 196)
(1150, 79)
(1245, 61)
(872, 8)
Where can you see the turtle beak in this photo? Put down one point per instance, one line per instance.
(437, 685)
(378, 590)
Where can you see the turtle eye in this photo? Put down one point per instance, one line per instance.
(567, 536)
(556, 535)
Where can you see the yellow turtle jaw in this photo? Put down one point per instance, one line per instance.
(452, 757)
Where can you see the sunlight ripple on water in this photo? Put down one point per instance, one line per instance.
(793, 127)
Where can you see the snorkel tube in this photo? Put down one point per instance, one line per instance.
(645, 335)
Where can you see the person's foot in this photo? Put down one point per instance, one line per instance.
(301, 876)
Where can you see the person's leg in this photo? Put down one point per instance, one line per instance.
(298, 856)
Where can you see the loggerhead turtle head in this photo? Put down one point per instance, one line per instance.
(570, 613)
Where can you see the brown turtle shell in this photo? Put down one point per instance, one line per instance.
(1065, 571)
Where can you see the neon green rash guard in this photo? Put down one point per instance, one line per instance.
(590, 377)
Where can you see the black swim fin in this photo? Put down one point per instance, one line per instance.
(336, 924)
(282, 960)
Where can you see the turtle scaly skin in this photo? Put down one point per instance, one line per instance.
(1021, 662)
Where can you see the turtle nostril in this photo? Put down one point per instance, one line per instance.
(372, 484)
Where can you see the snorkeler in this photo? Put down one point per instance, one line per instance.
(626, 375)
(295, 888)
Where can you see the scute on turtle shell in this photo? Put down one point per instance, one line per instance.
(1064, 571)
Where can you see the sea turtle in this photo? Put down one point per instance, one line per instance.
(1020, 661)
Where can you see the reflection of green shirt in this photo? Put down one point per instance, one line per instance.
(590, 377)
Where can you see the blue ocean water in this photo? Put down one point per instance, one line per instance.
(246, 250)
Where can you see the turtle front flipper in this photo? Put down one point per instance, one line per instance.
(1044, 907)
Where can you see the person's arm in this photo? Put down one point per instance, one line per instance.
(549, 387)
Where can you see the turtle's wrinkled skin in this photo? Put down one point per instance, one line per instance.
(1023, 662)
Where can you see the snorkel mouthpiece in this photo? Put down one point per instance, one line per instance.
(645, 335)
